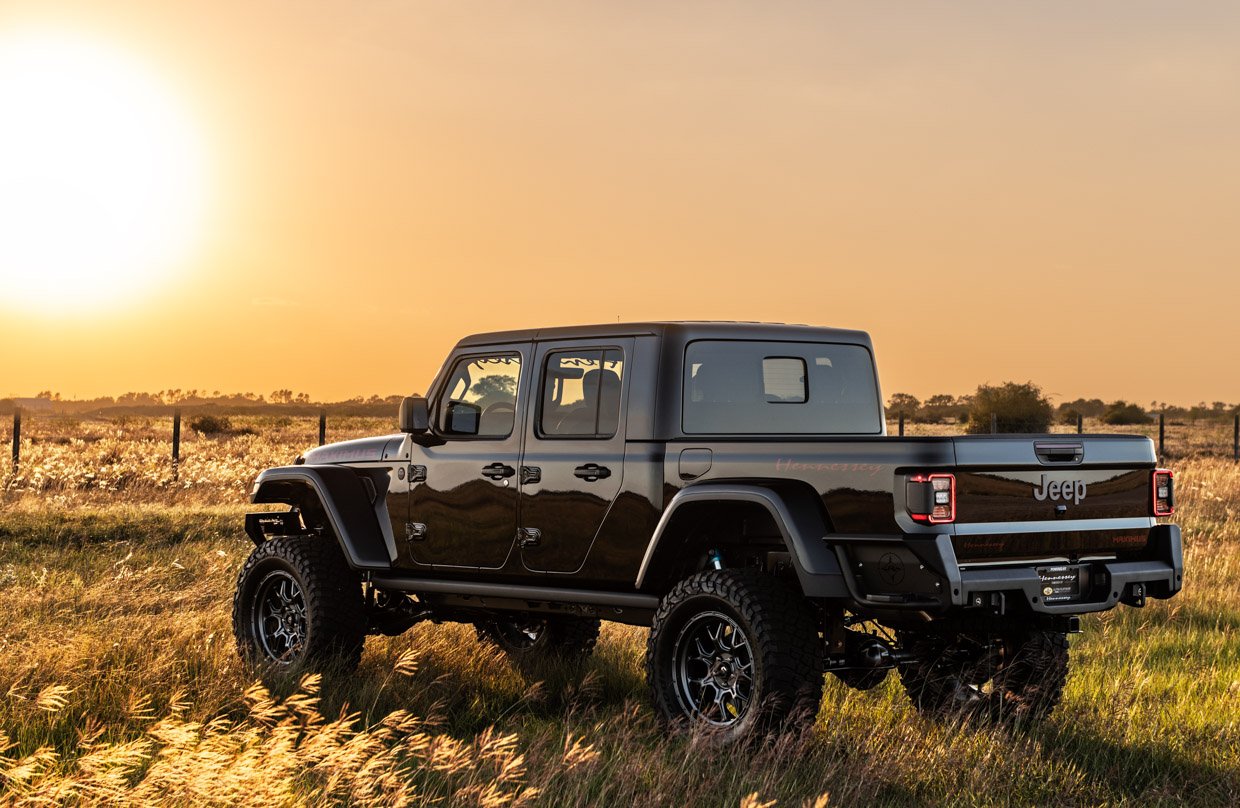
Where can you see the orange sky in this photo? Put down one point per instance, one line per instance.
(995, 191)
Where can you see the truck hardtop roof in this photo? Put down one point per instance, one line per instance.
(686, 330)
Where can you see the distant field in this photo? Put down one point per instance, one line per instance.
(129, 458)
(121, 683)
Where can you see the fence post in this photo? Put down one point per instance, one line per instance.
(1080, 423)
(322, 427)
(901, 424)
(1235, 441)
(1162, 436)
(176, 442)
(994, 423)
(17, 438)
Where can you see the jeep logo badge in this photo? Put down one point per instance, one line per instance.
(1068, 490)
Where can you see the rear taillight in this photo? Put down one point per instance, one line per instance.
(1163, 492)
(931, 498)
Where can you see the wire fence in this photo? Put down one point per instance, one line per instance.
(1173, 438)
(58, 452)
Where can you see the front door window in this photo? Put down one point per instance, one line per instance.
(481, 397)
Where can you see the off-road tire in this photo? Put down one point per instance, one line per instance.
(331, 593)
(1024, 681)
(560, 637)
(778, 625)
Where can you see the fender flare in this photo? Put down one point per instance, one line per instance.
(362, 527)
(799, 521)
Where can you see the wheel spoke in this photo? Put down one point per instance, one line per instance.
(279, 621)
(714, 669)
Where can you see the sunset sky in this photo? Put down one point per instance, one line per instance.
(331, 193)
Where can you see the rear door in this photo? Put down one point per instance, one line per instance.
(573, 463)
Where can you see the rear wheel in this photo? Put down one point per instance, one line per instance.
(736, 651)
(529, 637)
(1013, 676)
(298, 602)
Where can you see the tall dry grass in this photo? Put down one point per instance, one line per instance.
(121, 686)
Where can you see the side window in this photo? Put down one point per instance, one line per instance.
(581, 393)
(481, 396)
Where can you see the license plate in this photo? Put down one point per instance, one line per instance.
(1060, 584)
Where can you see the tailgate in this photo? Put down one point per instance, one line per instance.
(1031, 497)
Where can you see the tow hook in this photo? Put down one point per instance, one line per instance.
(1134, 596)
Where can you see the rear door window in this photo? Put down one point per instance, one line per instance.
(770, 388)
(581, 393)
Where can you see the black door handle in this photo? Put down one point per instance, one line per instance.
(591, 472)
(498, 471)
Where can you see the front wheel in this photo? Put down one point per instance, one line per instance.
(298, 602)
(737, 651)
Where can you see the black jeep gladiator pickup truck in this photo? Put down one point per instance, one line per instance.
(732, 487)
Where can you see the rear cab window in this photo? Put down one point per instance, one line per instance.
(735, 387)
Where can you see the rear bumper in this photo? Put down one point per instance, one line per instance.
(922, 573)
(1108, 583)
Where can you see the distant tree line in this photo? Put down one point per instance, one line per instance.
(1017, 407)
(1022, 407)
(282, 402)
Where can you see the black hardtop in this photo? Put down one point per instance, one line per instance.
(684, 331)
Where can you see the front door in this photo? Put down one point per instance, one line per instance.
(464, 514)
(574, 451)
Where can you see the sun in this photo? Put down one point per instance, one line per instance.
(102, 176)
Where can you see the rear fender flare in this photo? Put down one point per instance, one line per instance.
(798, 518)
(339, 495)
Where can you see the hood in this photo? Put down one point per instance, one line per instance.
(355, 451)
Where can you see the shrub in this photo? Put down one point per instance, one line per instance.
(210, 424)
(1123, 413)
(903, 404)
(1088, 407)
(1015, 407)
(946, 408)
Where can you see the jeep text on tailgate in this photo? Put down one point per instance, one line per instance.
(732, 487)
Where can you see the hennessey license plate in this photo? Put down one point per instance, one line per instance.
(1060, 584)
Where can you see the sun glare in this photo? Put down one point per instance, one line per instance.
(102, 176)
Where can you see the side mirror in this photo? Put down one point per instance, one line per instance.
(415, 415)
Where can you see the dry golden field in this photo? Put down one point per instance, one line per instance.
(121, 684)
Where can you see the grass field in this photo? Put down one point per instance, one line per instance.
(121, 683)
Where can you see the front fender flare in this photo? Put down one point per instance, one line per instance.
(338, 494)
(799, 521)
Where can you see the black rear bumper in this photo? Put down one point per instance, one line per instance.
(922, 573)
(1105, 583)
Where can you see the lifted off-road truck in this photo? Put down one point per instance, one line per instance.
(732, 487)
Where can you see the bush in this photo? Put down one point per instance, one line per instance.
(1015, 407)
(210, 424)
(945, 408)
(1087, 407)
(1123, 413)
(903, 404)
